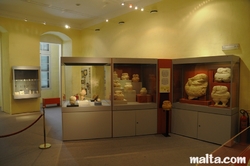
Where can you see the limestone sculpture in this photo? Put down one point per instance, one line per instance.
(143, 91)
(166, 105)
(223, 74)
(82, 94)
(72, 100)
(196, 86)
(135, 78)
(220, 95)
(118, 95)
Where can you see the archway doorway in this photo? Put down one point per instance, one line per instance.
(53, 45)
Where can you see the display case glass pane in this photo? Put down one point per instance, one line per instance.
(134, 84)
(86, 85)
(206, 83)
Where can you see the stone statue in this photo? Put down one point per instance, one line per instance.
(223, 75)
(166, 105)
(196, 86)
(135, 78)
(82, 94)
(72, 100)
(220, 95)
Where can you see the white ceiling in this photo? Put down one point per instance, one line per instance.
(77, 14)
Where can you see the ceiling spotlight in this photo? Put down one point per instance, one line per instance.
(97, 29)
(25, 20)
(130, 6)
(122, 4)
(136, 7)
(153, 11)
(142, 9)
(67, 26)
(121, 22)
(107, 20)
(44, 23)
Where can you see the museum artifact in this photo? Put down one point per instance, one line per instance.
(166, 105)
(128, 86)
(135, 78)
(118, 95)
(220, 95)
(143, 91)
(223, 74)
(196, 86)
(82, 94)
(125, 76)
(117, 83)
(72, 100)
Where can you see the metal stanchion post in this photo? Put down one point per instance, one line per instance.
(44, 145)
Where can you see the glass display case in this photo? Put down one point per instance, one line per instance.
(134, 83)
(86, 90)
(26, 82)
(206, 89)
(134, 96)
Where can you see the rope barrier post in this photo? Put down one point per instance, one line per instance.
(44, 145)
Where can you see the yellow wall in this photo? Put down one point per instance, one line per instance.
(181, 28)
(20, 47)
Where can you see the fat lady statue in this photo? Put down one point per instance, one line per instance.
(220, 95)
(223, 74)
(196, 86)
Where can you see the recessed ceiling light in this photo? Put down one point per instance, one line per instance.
(67, 26)
(121, 22)
(97, 29)
(44, 23)
(122, 4)
(78, 4)
(142, 9)
(107, 20)
(25, 20)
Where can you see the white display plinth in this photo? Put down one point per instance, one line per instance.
(130, 95)
(83, 103)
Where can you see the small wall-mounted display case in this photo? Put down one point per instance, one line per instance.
(206, 97)
(26, 82)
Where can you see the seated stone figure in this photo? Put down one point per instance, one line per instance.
(223, 75)
(220, 95)
(196, 86)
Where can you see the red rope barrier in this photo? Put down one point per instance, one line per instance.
(2, 136)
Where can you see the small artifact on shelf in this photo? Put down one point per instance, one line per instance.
(135, 78)
(166, 105)
(143, 91)
(82, 94)
(72, 100)
(223, 74)
(115, 75)
(125, 76)
(196, 86)
(118, 95)
(128, 86)
(117, 83)
(220, 95)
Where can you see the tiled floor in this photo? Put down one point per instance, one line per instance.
(152, 150)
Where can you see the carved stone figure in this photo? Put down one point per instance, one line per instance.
(82, 94)
(143, 91)
(166, 105)
(223, 75)
(220, 95)
(135, 78)
(196, 86)
(117, 83)
(125, 76)
(128, 86)
(118, 95)
(72, 100)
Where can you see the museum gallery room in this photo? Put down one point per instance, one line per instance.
(124, 82)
